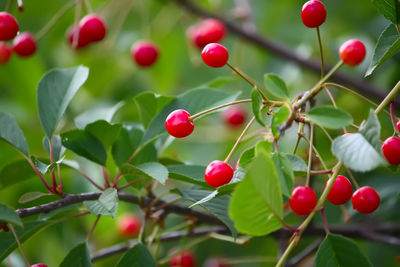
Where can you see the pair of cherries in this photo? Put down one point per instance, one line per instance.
(91, 29)
(24, 44)
(364, 200)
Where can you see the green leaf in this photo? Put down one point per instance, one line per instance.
(58, 149)
(205, 199)
(55, 91)
(257, 203)
(105, 132)
(264, 146)
(12, 134)
(78, 256)
(298, 164)
(371, 130)
(149, 104)
(137, 256)
(85, 145)
(246, 157)
(151, 170)
(337, 250)
(107, 204)
(219, 82)
(7, 240)
(276, 86)
(103, 111)
(227, 189)
(192, 101)
(30, 196)
(216, 206)
(387, 46)
(329, 117)
(285, 173)
(126, 143)
(193, 174)
(257, 105)
(278, 119)
(16, 172)
(390, 9)
(9, 215)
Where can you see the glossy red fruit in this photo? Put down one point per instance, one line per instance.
(234, 116)
(128, 225)
(391, 150)
(313, 14)
(144, 53)
(398, 126)
(82, 41)
(218, 173)
(303, 200)
(5, 53)
(205, 32)
(184, 259)
(39, 265)
(352, 52)
(92, 28)
(178, 124)
(24, 45)
(8, 26)
(215, 55)
(214, 262)
(365, 200)
(341, 191)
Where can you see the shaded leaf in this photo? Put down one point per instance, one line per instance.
(298, 164)
(105, 132)
(137, 256)
(30, 196)
(285, 173)
(127, 142)
(276, 86)
(9, 215)
(329, 117)
(107, 204)
(278, 119)
(256, 105)
(152, 170)
(58, 149)
(389, 9)
(16, 172)
(193, 174)
(78, 256)
(12, 134)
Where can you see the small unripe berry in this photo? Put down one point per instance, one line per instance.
(92, 28)
(184, 259)
(215, 55)
(218, 173)
(128, 225)
(352, 52)
(178, 123)
(24, 45)
(341, 191)
(313, 14)
(5, 53)
(8, 26)
(144, 53)
(303, 200)
(234, 116)
(365, 200)
(391, 150)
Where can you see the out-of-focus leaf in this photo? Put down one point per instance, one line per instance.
(137, 256)
(329, 117)
(9, 215)
(78, 256)
(276, 85)
(193, 174)
(12, 134)
(256, 105)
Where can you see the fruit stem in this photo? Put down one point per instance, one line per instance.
(91, 180)
(321, 53)
(20, 5)
(93, 227)
(325, 221)
(218, 107)
(105, 177)
(352, 177)
(393, 117)
(392, 94)
(130, 183)
(310, 152)
(54, 20)
(76, 32)
(239, 139)
(299, 131)
(88, 6)
(19, 244)
(53, 174)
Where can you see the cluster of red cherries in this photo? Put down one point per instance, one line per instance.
(303, 201)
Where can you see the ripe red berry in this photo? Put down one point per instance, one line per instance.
(214, 262)
(39, 265)
(128, 225)
(303, 200)
(234, 116)
(341, 191)
(184, 259)
(8, 26)
(391, 150)
(215, 55)
(205, 32)
(81, 40)
(178, 124)
(144, 53)
(313, 14)
(24, 45)
(365, 200)
(5, 53)
(92, 28)
(218, 173)
(398, 126)
(352, 52)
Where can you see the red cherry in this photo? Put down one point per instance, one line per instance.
(313, 14)
(205, 32)
(365, 200)
(391, 150)
(234, 116)
(398, 126)
(184, 259)
(39, 265)
(215, 55)
(82, 40)
(341, 191)
(303, 200)
(92, 28)
(178, 124)
(8, 26)
(128, 225)
(213, 262)
(352, 52)
(5, 53)
(24, 45)
(218, 173)
(144, 53)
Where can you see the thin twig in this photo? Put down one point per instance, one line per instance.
(19, 245)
